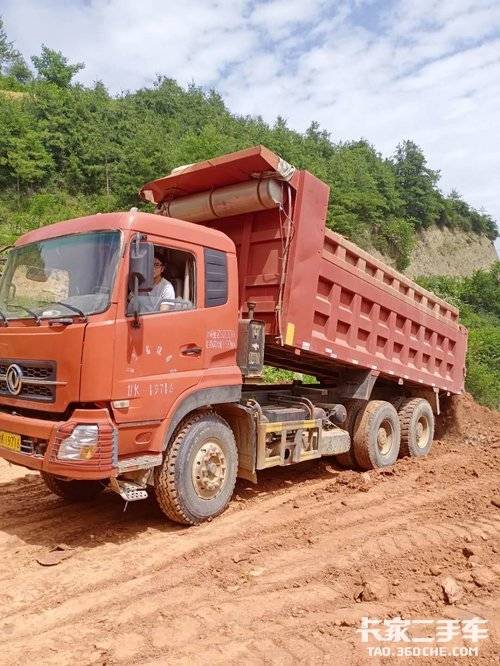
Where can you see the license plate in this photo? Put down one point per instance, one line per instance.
(8, 440)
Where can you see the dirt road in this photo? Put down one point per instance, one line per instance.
(284, 576)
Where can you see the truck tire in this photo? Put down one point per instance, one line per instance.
(377, 435)
(196, 479)
(417, 427)
(73, 490)
(347, 459)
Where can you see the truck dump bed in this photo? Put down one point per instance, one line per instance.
(326, 302)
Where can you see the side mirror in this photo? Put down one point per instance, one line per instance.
(141, 265)
(141, 273)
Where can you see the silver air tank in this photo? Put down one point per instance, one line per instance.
(247, 197)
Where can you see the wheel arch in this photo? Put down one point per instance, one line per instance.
(196, 401)
(242, 423)
(224, 401)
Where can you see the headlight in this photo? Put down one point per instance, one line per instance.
(81, 444)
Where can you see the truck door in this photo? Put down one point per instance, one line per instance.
(157, 362)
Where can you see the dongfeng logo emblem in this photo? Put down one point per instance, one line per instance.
(14, 379)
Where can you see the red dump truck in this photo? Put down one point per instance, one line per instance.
(132, 344)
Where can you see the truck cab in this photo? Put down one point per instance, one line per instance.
(76, 357)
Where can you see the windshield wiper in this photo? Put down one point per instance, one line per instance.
(70, 307)
(33, 314)
(4, 319)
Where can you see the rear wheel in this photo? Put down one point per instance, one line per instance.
(73, 490)
(353, 408)
(196, 479)
(417, 427)
(377, 435)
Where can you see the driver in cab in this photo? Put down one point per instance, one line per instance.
(162, 291)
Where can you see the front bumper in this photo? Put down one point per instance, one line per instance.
(41, 439)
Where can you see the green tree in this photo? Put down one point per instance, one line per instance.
(482, 290)
(12, 63)
(365, 203)
(19, 70)
(7, 50)
(23, 157)
(458, 213)
(417, 185)
(52, 66)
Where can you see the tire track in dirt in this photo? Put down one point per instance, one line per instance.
(362, 514)
(367, 522)
(131, 590)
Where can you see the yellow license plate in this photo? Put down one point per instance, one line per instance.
(8, 440)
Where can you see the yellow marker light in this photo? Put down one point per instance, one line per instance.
(86, 452)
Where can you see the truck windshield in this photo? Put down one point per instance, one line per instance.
(60, 276)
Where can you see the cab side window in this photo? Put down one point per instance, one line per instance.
(174, 282)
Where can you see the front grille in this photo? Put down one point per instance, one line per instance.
(38, 372)
(27, 445)
(38, 380)
(33, 446)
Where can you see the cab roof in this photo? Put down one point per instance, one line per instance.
(131, 221)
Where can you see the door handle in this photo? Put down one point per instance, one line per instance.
(192, 350)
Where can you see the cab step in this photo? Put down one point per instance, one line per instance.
(128, 490)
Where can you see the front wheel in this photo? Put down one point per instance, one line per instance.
(72, 490)
(196, 479)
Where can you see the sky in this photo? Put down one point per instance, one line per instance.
(386, 70)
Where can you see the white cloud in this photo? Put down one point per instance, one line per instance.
(279, 17)
(426, 70)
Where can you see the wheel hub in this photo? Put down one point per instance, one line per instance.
(385, 438)
(209, 470)
(422, 433)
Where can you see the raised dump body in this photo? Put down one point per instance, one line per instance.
(326, 303)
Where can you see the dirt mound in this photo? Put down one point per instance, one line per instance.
(462, 417)
(285, 575)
